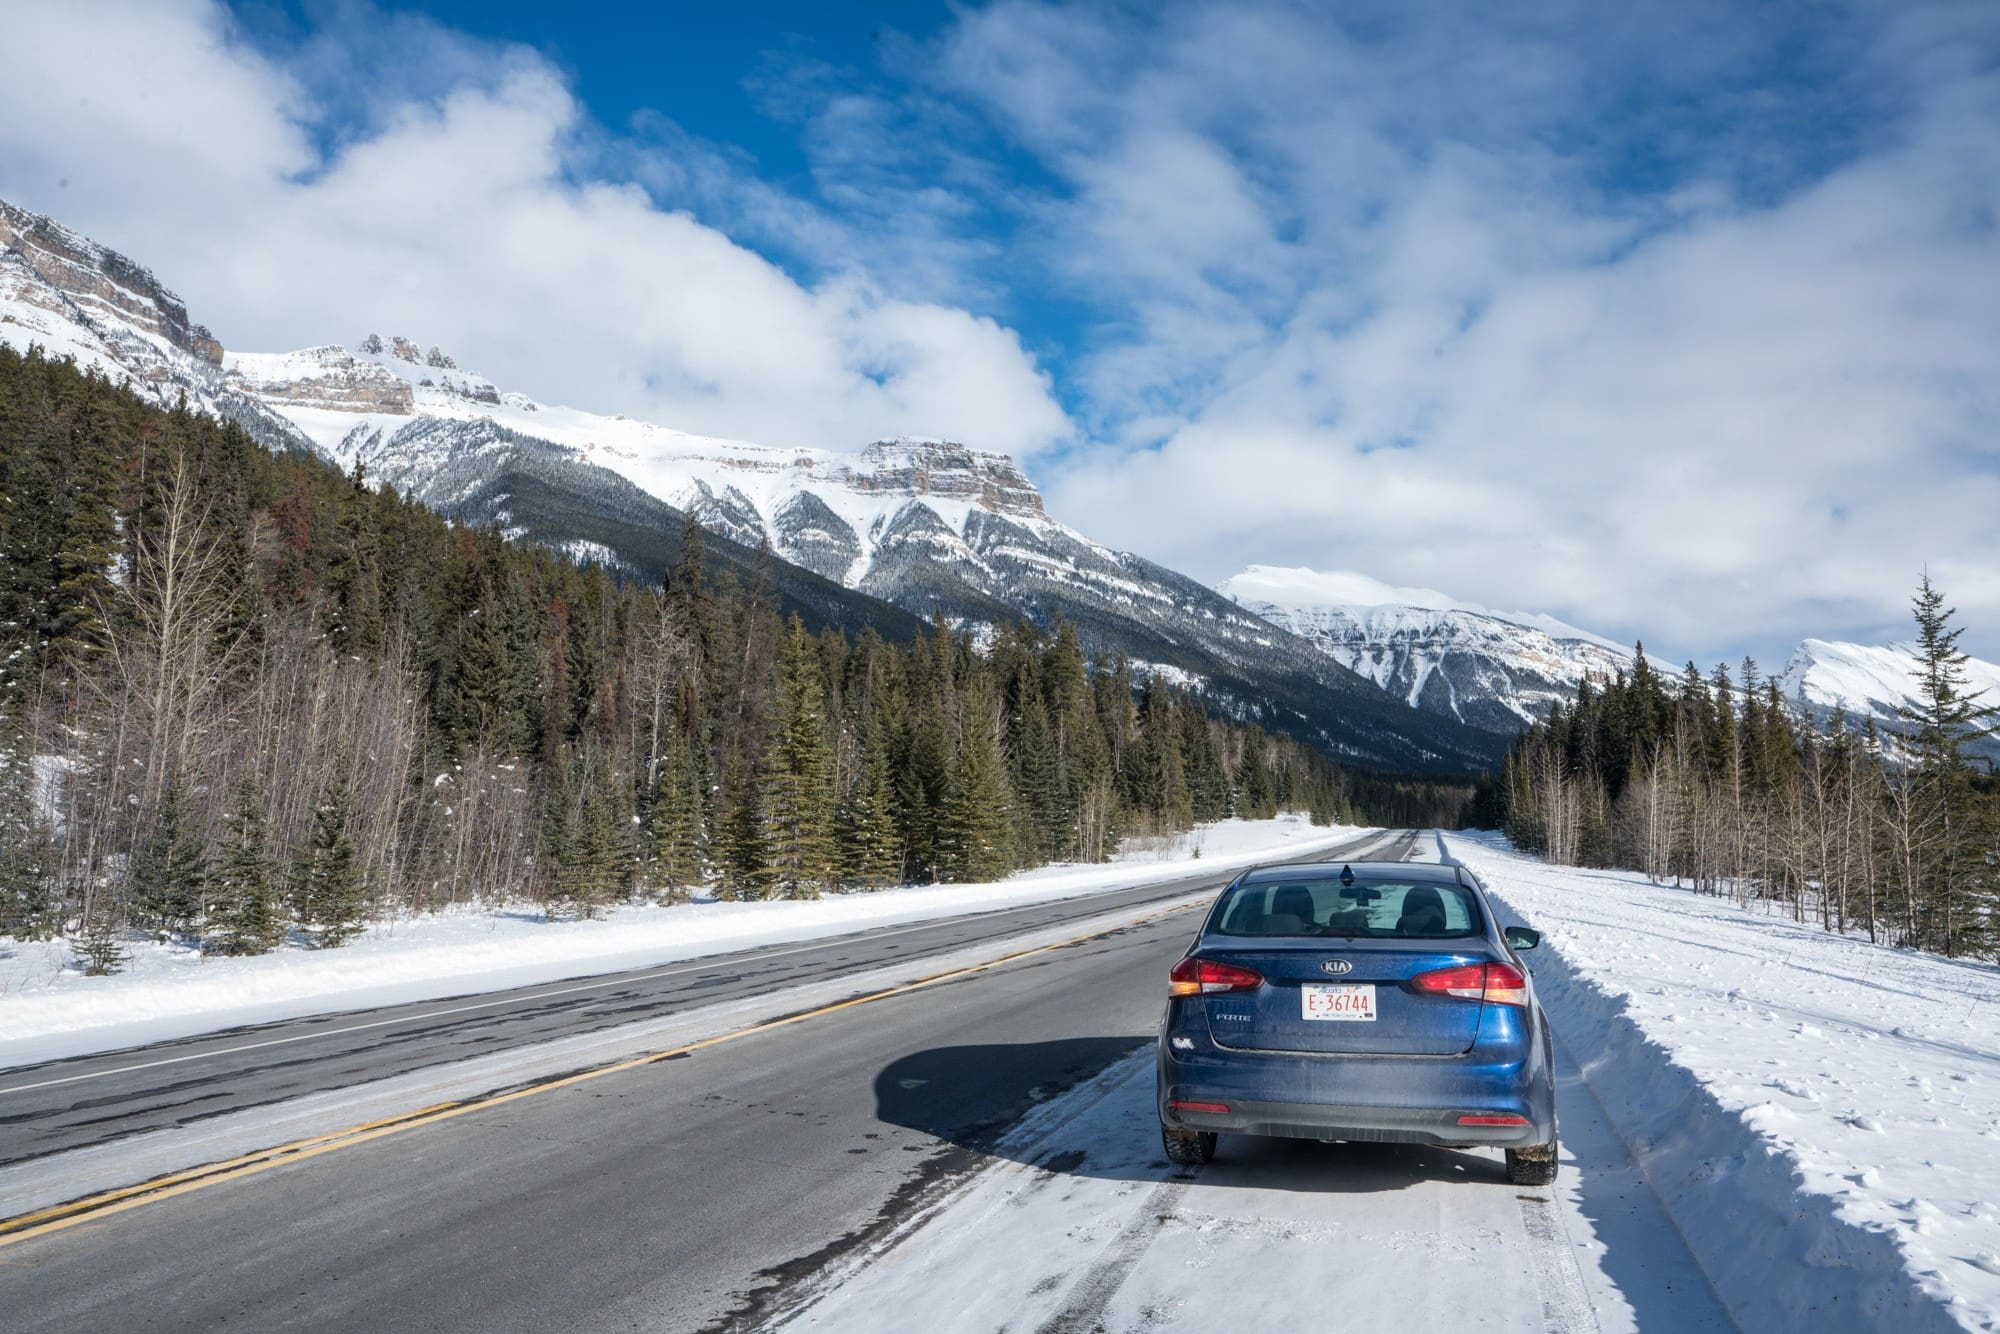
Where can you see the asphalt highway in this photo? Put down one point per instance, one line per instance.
(680, 1194)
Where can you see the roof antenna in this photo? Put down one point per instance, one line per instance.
(1347, 875)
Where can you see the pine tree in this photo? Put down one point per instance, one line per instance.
(328, 883)
(678, 827)
(1945, 720)
(565, 874)
(100, 950)
(1255, 799)
(744, 859)
(353, 610)
(798, 776)
(1038, 785)
(247, 917)
(29, 894)
(603, 864)
(975, 841)
(870, 852)
(170, 874)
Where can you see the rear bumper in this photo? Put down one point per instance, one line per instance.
(1388, 1099)
(1381, 1125)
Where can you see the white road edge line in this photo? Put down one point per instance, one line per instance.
(595, 985)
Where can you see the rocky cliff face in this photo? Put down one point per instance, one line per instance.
(327, 378)
(943, 469)
(103, 282)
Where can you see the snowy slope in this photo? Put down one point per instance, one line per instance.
(1822, 1115)
(1870, 682)
(1494, 670)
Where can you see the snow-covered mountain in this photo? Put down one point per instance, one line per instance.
(74, 298)
(922, 525)
(1493, 670)
(1866, 681)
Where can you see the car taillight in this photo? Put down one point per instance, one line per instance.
(1197, 977)
(1505, 985)
(1495, 983)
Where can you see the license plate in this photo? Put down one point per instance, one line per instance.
(1349, 1003)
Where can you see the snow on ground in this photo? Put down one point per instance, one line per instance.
(1764, 1127)
(1821, 1114)
(1079, 1223)
(48, 1009)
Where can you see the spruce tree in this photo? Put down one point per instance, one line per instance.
(247, 916)
(352, 614)
(870, 853)
(565, 874)
(1946, 719)
(975, 828)
(677, 829)
(744, 860)
(170, 874)
(605, 868)
(100, 948)
(798, 776)
(1255, 799)
(29, 897)
(328, 884)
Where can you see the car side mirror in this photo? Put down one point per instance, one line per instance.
(1522, 938)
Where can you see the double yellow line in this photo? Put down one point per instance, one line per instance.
(22, 1227)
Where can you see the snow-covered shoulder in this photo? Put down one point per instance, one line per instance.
(1821, 1113)
(48, 1009)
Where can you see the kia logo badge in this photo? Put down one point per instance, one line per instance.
(1336, 966)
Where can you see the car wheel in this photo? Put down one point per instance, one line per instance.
(1532, 1167)
(1187, 1148)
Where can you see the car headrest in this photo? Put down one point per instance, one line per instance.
(1423, 912)
(1293, 900)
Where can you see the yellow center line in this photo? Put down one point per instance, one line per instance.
(105, 1203)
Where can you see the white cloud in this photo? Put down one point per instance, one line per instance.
(1680, 329)
(463, 201)
(1675, 320)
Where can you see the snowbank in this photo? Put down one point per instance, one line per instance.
(48, 1009)
(1821, 1115)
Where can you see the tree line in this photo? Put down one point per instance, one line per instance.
(246, 697)
(1721, 783)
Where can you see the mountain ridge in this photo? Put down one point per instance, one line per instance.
(919, 526)
(1492, 670)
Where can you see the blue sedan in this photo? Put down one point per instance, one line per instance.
(1371, 1001)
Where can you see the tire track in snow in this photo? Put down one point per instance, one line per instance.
(1083, 1312)
(1565, 1307)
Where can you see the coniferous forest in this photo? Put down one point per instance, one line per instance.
(1720, 783)
(246, 698)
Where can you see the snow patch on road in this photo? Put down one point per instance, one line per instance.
(1079, 1223)
(50, 1010)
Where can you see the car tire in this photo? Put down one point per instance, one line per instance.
(1187, 1148)
(1532, 1167)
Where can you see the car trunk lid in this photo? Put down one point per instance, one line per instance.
(1303, 977)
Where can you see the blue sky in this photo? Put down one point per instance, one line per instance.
(1673, 319)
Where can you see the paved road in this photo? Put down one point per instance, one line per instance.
(672, 1196)
(69, 1104)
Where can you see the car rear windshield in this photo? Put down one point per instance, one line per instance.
(1384, 909)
